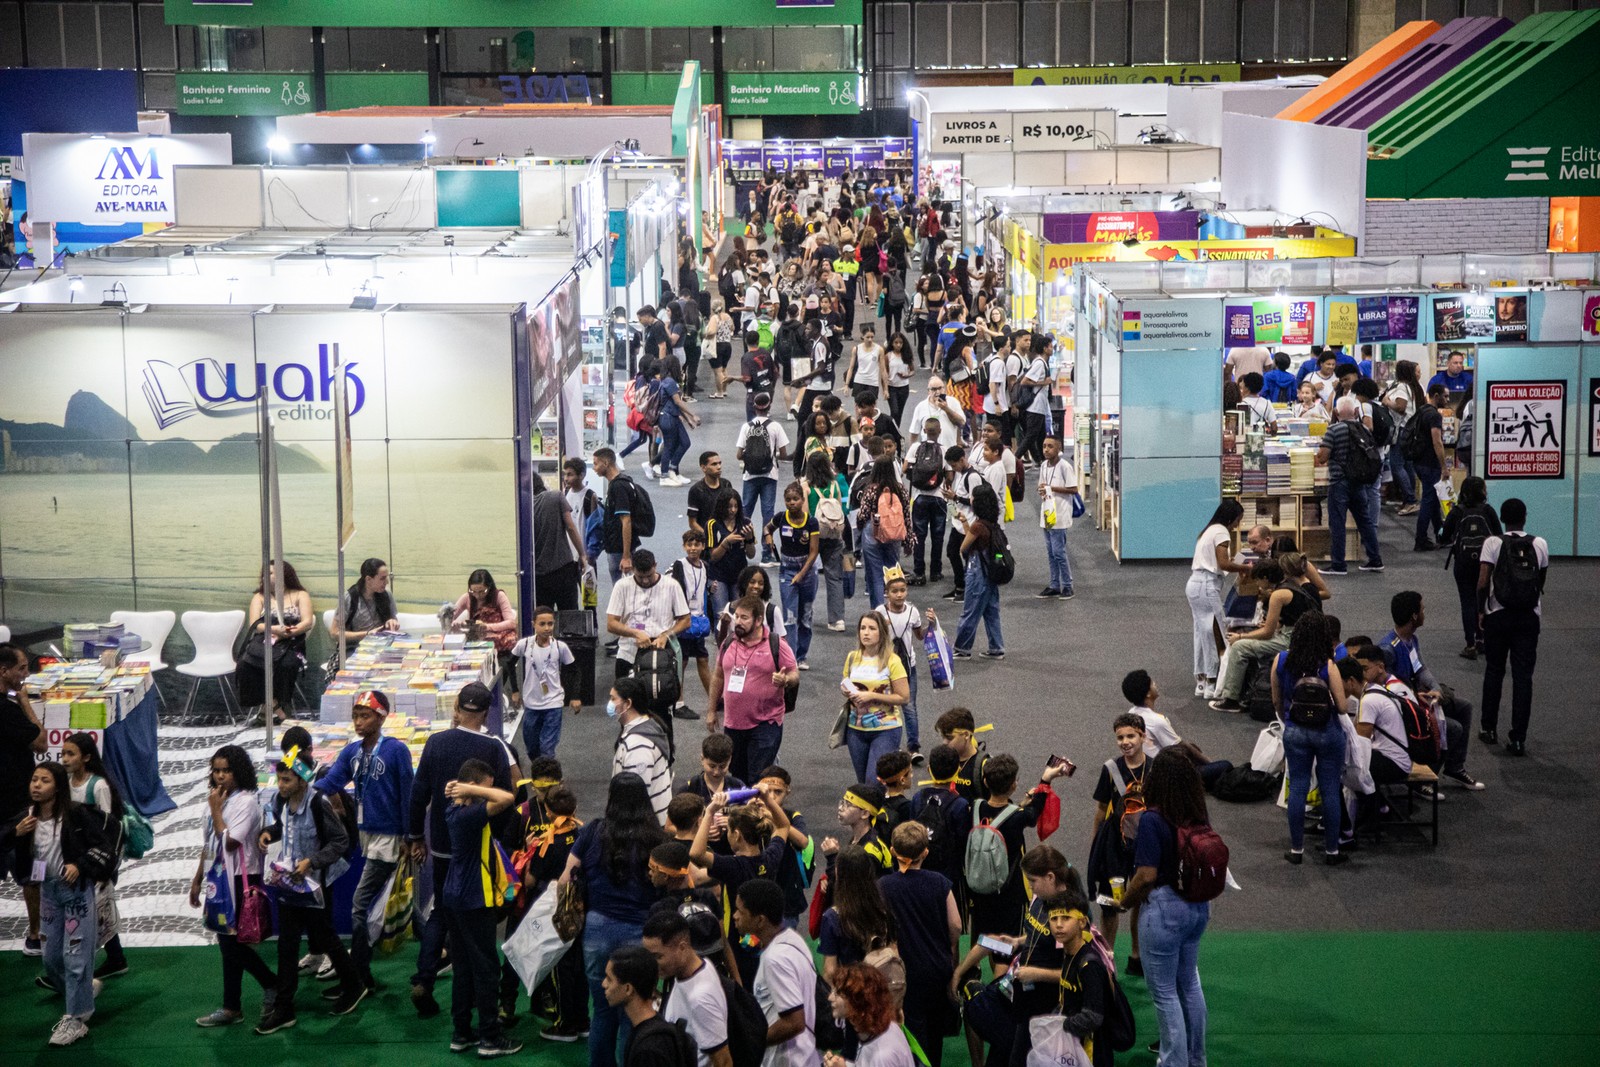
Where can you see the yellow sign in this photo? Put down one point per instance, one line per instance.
(1060, 256)
(1154, 74)
(1341, 328)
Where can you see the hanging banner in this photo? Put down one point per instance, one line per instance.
(1266, 320)
(618, 235)
(1403, 311)
(1372, 318)
(1449, 318)
(1239, 326)
(1100, 227)
(1511, 317)
(1479, 312)
(1171, 324)
(1300, 322)
(1342, 328)
(106, 180)
(1527, 423)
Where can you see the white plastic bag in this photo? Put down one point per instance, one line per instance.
(536, 947)
(1268, 753)
(1053, 1046)
(1357, 776)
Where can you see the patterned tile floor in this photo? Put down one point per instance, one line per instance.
(153, 892)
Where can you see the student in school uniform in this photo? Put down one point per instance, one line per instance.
(541, 694)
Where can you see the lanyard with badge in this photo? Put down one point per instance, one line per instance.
(738, 672)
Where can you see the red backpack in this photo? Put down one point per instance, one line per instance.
(1202, 864)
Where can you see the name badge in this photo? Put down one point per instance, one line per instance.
(736, 680)
(38, 871)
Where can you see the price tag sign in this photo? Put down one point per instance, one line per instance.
(1052, 131)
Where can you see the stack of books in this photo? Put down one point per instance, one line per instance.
(420, 675)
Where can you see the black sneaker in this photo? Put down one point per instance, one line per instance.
(505, 1046)
(112, 968)
(1488, 737)
(332, 993)
(958, 654)
(1516, 748)
(348, 999)
(43, 982)
(916, 579)
(918, 759)
(1334, 859)
(1374, 566)
(1049, 592)
(955, 594)
(684, 711)
(274, 1021)
(1464, 780)
(564, 1034)
(463, 1042)
(1135, 967)
(1294, 857)
(1331, 569)
(992, 654)
(422, 1000)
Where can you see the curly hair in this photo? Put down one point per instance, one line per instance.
(869, 1006)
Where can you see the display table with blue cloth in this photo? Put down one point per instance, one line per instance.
(130, 750)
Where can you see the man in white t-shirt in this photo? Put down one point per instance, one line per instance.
(1242, 361)
(997, 402)
(644, 610)
(758, 463)
(997, 470)
(1379, 717)
(1141, 693)
(1510, 611)
(1033, 401)
(697, 1002)
(940, 405)
(752, 301)
(1058, 488)
(786, 980)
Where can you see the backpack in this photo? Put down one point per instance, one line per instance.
(594, 525)
(1245, 785)
(657, 668)
(1129, 802)
(747, 1024)
(891, 517)
(649, 404)
(1421, 740)
(1516, 573)
(1414, 443)
(761, 375)
(999, 565)
(1202, 864)
(1311, 703)
(1466, 550)
(102, 843)
(644, 512)
(935, 817)
(896, 290)
(982, 378)
(886, 958)
(684, 1053)
(758, 449)
(1362, 463)
(1382, 425)
(138, 836)
(987, 866)
(830, 516)
(927, 467)
(1118, 1029)
(790, 340)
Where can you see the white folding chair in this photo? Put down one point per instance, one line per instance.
(418, 623)
(153, 626)
(213, 634)
(5, 634)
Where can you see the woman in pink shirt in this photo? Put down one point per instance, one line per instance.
(487, 615)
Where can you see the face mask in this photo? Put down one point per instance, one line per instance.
(611, 709)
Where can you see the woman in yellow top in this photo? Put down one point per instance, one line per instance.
(876, 688)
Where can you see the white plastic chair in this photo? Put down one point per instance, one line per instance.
(418, 623)
(5, 634)
(213, 634)
(153, 626)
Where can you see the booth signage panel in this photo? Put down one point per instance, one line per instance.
(1155, 324)
(1342, 328)
(1094, 227)
(1050, 131)
(1527, 429)
(1386, 318)
(809, 156)
(972, 131)
(1594, 416)
(110, 180)
(1164, 251)
(1153, 74)
(1270, 322)
(793, 94)
(204, 92)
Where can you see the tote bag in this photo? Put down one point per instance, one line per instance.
(536, 947)
(1053, 1046)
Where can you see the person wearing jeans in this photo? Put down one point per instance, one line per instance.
(876, 555)
(1309, 660)
(1170, 926)
(876, 691)
(980, 600)
(1345, 494)
(1430, 468)
(765, 491)
(795, 535)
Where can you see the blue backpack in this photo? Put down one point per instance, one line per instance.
(594, 541)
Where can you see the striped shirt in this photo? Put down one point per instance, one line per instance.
(642, 749)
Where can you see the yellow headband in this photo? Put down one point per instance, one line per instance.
(1071, 913)
(955, 778)
(544, 783)
(985, 728)
(851, 798)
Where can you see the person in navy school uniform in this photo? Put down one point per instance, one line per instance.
(442, 757)
(380, 769)
(1278, 385)
(1403, 652)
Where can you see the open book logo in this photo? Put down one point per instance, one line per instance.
(224, 389)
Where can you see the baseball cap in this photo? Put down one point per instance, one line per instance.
(763, 402)
(705, 928)
(474, 697)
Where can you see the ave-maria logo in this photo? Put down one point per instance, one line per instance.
(226, 389)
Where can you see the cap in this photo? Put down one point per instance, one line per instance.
(763, 402)
(372, 700)
(474, 697)
(705, 929)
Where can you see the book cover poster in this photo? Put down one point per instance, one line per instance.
(1511, 317)
(1449, 319)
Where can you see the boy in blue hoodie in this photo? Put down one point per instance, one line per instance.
(379, 768)
(471, 913)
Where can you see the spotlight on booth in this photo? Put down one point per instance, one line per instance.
(74, 286)
(366, 298)
(115, 297)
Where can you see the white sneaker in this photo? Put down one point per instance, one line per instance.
(95, 986)
(69, 1030)
(836, 626)
(1199, 688)
(312, 962)
(653, 471)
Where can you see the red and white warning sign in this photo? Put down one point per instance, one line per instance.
(1527, 429)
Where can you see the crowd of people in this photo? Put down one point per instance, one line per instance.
(693, 898)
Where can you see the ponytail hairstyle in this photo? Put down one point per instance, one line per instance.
(84, 742)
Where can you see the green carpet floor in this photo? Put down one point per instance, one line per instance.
(1275, 999)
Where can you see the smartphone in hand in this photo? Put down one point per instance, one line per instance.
(1066, 765)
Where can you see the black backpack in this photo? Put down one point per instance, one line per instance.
(1362, 463)
(1245, 785)
(1118, 1029)
(747, 1025)
(1516, 573)
(935, 816)
(1415, 443)
(1311, 703)
(1466, 550)
(644, 512)
(758, 448)
(999, 565)
(1382, 425)
(761, 376)
(927, 467)
(101, 836)
(657, 668)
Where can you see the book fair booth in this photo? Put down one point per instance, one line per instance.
(1150, 340)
